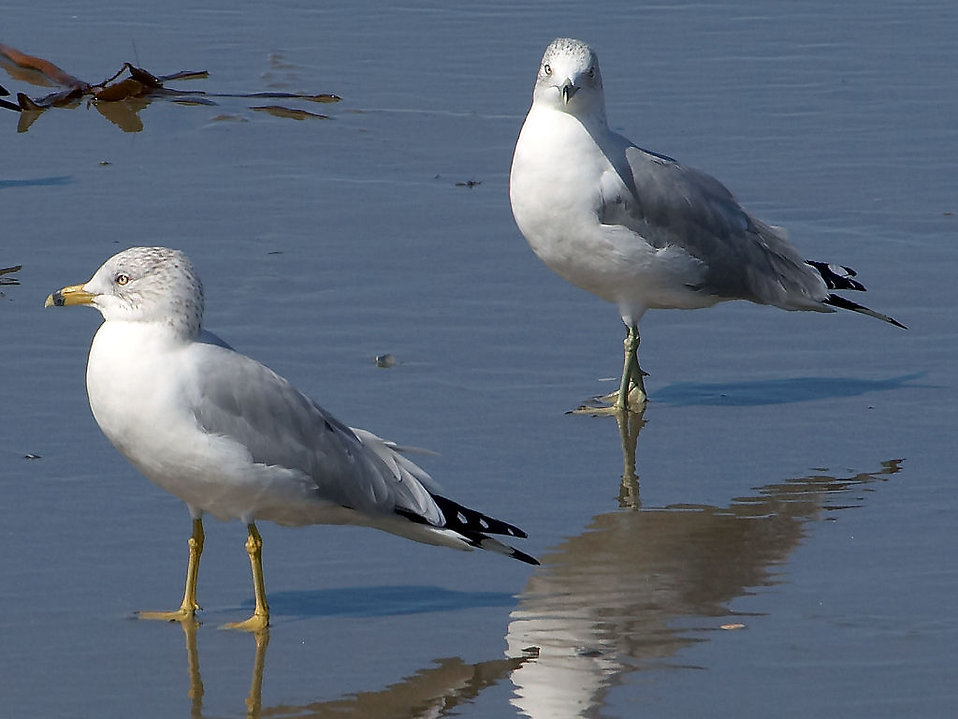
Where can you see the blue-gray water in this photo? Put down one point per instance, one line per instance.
(795, 472)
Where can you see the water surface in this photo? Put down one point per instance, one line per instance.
(792, 480)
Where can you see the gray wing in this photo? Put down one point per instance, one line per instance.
(744, 258)
(241, 399)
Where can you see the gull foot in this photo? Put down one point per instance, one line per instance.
(256, 623)
(607, 405)
(183, 614)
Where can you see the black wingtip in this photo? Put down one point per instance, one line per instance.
(474, 527)
(481, 541)
(461, 518)
(837, 277)
(523, 557)
(846, 304)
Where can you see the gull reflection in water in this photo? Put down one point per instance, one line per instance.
(435, 691)
(612, 599)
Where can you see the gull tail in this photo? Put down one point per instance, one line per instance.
(836, 301)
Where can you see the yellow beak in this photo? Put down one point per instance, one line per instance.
(72, 295)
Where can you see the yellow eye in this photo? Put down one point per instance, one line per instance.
(547, 69)
(121, 279)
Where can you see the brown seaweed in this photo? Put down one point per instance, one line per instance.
(122, 96)
(29, 64)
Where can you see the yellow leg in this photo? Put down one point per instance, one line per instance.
(631, 395)
(260, 618)
(189, 606)
(632, 382)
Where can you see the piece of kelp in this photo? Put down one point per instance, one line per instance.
(26, 65)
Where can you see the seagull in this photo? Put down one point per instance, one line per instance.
(232, 438)
(639, 229)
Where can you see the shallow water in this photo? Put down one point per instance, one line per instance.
(791, 482)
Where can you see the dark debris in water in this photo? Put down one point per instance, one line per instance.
(468, 184)
(7, 271)
(386, 361)
(324, 98)
(292, 113)
(121, 97)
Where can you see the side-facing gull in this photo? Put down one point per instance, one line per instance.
(232, 438)
(639, 229)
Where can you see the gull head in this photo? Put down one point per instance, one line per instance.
(142, 284)
(569, 79)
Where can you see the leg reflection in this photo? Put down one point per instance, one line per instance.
(193, 667)
(436, 690)
(254, 699)
(630, 424)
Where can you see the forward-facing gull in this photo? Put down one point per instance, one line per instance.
(233, 439)
(639, 229)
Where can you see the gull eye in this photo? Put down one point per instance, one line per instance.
(591, 72)
(121, 279)
(547, 69)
